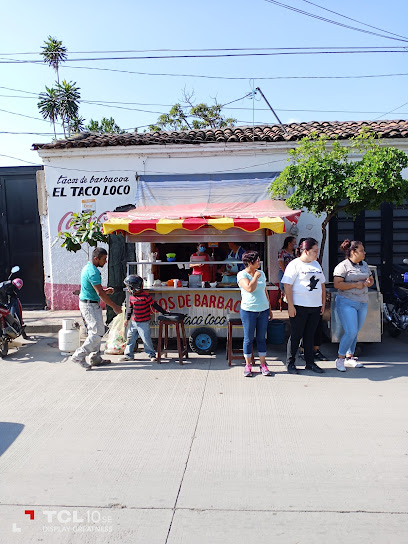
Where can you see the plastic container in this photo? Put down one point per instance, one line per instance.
(68, 337)
(276, 332)
(273, 293)
(194, 281)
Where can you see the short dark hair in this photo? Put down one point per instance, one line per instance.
(98, 252)
(348, 246)
(250, 257)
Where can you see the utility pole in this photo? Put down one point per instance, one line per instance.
(272, 110)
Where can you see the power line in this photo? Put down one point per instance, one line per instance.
(391, 111)
(355, 20)
(324, 19)
(147, 171)
(206, 49)
(230, 78)
(28, 116)
(209, 49)
(219, 55)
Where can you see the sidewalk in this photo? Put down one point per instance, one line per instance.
(48, 321)
(198, 454)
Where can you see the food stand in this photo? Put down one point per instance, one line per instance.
(180, 227)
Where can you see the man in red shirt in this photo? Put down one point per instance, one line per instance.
(140, 308)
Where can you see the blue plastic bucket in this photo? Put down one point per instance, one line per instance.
(276, 332)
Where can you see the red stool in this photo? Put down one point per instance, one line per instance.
(165, 321)
(231, 353)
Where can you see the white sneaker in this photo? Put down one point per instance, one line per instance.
(340, 364)
(352, 362)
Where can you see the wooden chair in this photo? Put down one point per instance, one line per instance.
(231, 353)
(165, 321)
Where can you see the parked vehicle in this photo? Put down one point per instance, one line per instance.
(11, 312)
(396, 310)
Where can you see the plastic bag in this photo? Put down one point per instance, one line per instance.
(116, 342)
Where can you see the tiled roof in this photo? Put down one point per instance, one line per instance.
(261, 133)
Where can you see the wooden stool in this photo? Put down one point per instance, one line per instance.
(234, 354)
(164, 322)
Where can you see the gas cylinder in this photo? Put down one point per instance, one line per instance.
(68, 337)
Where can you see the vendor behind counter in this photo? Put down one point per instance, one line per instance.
(201, 267)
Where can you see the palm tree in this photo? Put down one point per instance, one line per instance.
(54, 53)
(49, 106)
(76, 125)
(68, 96)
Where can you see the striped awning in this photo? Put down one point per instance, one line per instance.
(268, 214)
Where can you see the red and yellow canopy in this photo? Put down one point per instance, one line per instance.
(260, 215)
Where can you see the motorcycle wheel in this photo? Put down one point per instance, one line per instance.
(3, 347)
(393, 332)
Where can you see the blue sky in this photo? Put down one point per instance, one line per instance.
(135, 25)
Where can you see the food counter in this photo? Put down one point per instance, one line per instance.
(206, 308)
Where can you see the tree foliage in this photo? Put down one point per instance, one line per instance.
(48, 105)
(60, 102)
(105, 125)
(327, 178)
(54, 53)
(188, 116)
(84, 230)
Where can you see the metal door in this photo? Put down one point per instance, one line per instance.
(20, 232)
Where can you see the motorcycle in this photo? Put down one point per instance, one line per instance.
(11, 312)
(396, 311)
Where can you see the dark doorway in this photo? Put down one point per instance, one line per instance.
(20, 232)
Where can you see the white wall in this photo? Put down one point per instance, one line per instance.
(73, 176)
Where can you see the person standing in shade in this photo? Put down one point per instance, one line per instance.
(304, 284)
(201, 267)
(255, 310)
(285, 255)
(90, 296)
(229, 275)
(352, 278)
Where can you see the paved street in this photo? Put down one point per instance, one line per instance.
(146, 453)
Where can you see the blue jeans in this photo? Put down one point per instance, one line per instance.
(280, 276)
(352, 315)
(250, 322)
(142, 329)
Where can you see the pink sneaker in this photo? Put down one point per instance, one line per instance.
(247, 371)
(265, 371)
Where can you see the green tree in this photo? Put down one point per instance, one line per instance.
(68, 102)
(54, 53)
(190, 116)
(105, 125)
(48, 106)
(76, 124)
(84, 230)
(325, 177)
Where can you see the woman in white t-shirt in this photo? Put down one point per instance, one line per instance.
(305, 291)
(352, 278)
